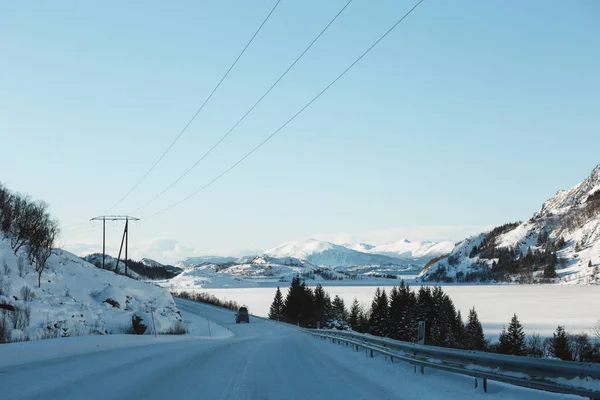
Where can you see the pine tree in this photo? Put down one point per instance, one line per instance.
(276, 310)
(355, 312)
(550, 269)
(516, 337)
(503, 342)
(293, 301)
(378, 321)
(424, 311)
(475, 339)
(307, 307)
(395, 314)
(458, 332)
(319, 297)
(560, 344)
(339, 309)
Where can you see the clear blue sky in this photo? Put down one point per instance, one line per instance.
(470, 114)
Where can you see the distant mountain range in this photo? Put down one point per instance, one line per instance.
(312, 259)
(559, 243)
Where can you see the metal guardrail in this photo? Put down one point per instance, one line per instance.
(558, 376)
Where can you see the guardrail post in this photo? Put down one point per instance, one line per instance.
(371, 353)
(422, 370)
(475, 383)
(485, 385)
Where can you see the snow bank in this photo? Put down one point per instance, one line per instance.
(76, 298)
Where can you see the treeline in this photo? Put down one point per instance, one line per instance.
(207, 299)
(396, 315)
(29, 227)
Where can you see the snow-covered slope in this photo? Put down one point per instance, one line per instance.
(109, 263)
(407, 249)
(77, 298)
(327, 254)
(562, 236)
(193, 261)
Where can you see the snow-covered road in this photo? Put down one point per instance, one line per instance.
(260, 360)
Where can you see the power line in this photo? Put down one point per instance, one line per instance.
(247, 112)
(198, 111)
(293, 117)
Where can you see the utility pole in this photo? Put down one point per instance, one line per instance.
(124, 240)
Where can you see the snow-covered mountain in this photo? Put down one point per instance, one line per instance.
(321, 253)
(561, 242)
(407, 249)
(75, 298)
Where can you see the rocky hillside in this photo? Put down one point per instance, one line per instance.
(560, 243)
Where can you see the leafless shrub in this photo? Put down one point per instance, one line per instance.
(49, 333)
(21, 317)
(178, 329)
(27, 294)
(5, 330)
(535, 346)
(6, 268)
(5, 286)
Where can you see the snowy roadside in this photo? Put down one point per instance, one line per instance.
(12, 354)
(400, 377)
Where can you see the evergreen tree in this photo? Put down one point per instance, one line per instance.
(503, 342)
(424, 311)
(320, 305)
(395, 314)
(378, 321)
(307, 307)
(355, 312)
(441, 319)
(276, 310)
(407, 326)
(475, 339)
(293, 301)
(550, 269)
(339, 309)
(559, 345)
(458, 332)
(516, 337)
(328, 310)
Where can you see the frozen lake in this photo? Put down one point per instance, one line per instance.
(540, 308)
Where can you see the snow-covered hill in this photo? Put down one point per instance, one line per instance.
(561, 242)
(407, 249)
(76, 298)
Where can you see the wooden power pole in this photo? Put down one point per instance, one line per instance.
(124, 240)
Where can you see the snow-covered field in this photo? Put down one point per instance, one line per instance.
(540, 308)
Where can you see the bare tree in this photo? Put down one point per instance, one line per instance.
(596, 329)
(6, 198)
(41, 248)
